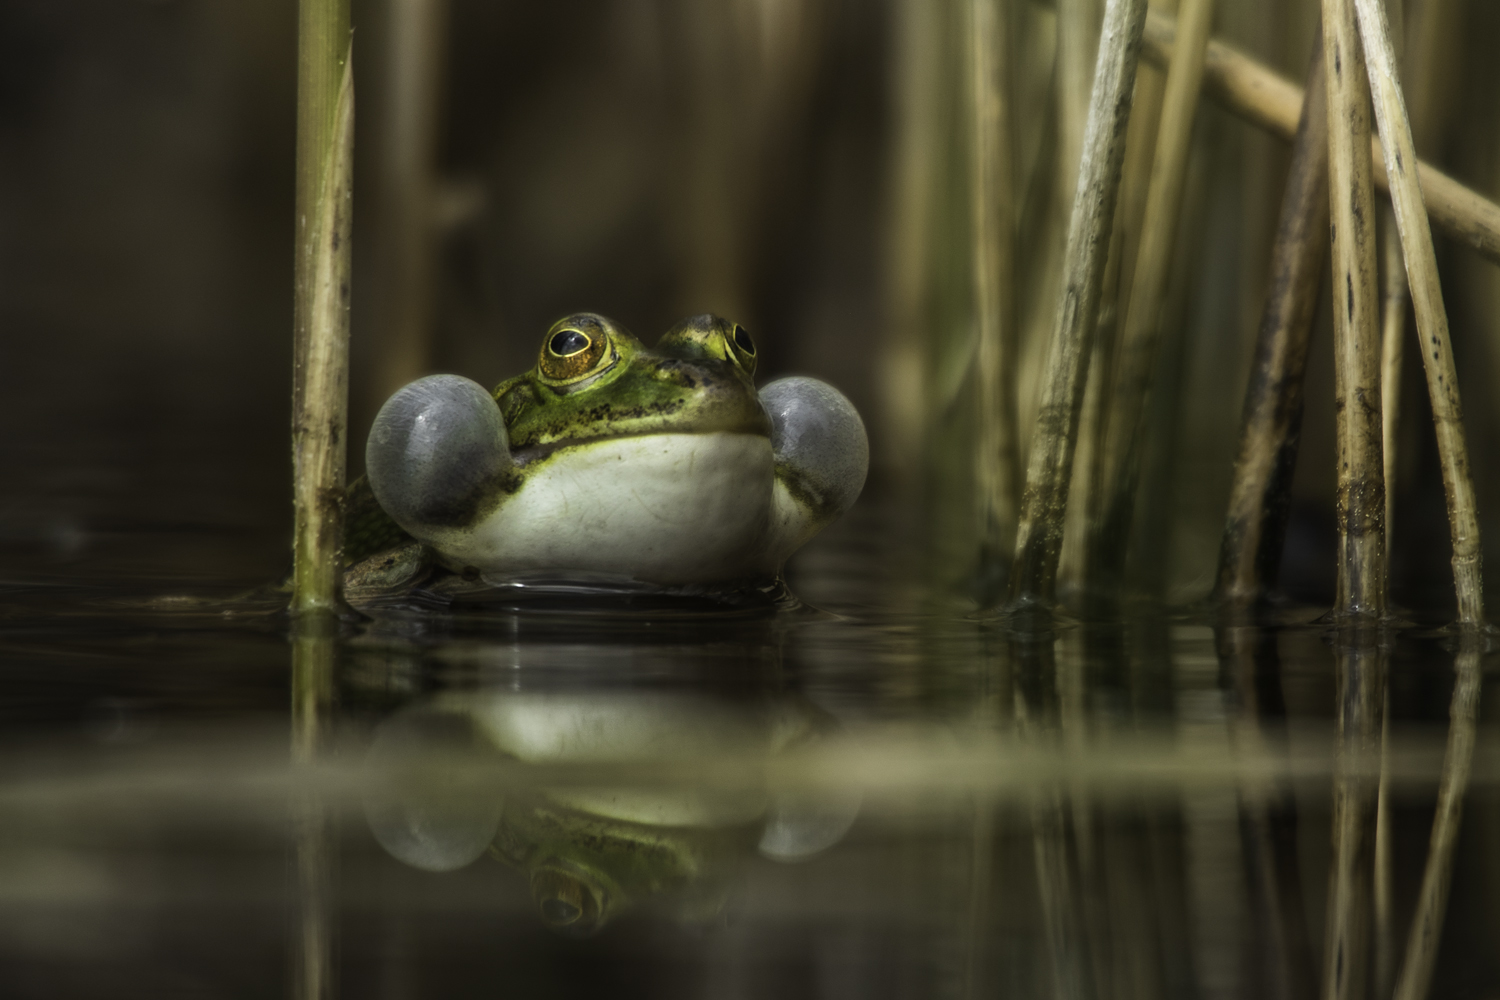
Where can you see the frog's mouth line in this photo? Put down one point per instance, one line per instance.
(522, 457)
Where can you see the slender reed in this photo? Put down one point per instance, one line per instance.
(914, 158)
(992, 204)
(408, 216)
(1437, 875)
(1263, 97)
(313, 651)
(1360, 501)
(1432, 318)
(1136, 354)
(1084, 498)
(1392, 348)
(320, 372)
(1077, 47)
(1045, 500)
(1270, 429)
(1361, 686)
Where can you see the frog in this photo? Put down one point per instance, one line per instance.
(450, 783)
(608, 462)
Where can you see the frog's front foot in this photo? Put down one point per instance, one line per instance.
(822, 454)
(435, 453)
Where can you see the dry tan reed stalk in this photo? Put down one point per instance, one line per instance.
(1263, 97)
(1283, 958)
(1045, 500)
(1392, 348)
(1385, 868)
(992, 188)
(909, 249)
(408, 189)
(320, 368)
(1259, 494)
(1360, 500)
(1437, 875)
(1077, 47)
(1432, 318)
(1135, 357)
(1361, 686)
(1084, 498)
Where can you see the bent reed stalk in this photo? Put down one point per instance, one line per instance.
(1124, 428)
(1427, 303)
(1045, 500)
(992, 192)
(1270, 428)
(1265, 98)
(1360, 500)
(320, 369)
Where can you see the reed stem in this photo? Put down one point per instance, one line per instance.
(320, 369)
(1361, 684)
(1045, 500)
(1136, 355)
(1392, 348)
(408, 197)
(1360, 500)
(1263, 97)
(1432, 318)
(1270, 429)
(992, 204)
(313, 651)
(1437, 875)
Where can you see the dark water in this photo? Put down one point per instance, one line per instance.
(873, 796)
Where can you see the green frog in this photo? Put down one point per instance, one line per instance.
(608, 462)
(594, 850)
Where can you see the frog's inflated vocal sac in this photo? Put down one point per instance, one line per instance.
(616, 463)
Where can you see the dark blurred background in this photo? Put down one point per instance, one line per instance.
(647, 159)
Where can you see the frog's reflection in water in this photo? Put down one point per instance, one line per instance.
(582, 791)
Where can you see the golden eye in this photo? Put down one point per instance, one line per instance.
(744, 348)
(571, 354)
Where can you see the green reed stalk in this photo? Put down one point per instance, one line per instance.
(314, 647)
(1125, 420)
(1437, 874)
(1045, 500)
(1270, 428)
(1360, 501)
(320, 367)
(1264, 98)
(1432, 318)
(992, 188)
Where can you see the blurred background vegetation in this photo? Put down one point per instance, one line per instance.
(797, 165)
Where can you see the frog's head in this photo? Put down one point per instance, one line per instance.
(594, 380)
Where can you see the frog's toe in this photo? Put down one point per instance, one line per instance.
(435, 452)
(822, 454)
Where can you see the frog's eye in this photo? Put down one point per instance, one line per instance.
(743, 347)
(571, 353)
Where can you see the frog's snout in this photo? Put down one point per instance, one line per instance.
(435, 449)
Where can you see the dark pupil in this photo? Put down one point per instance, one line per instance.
(568, 342)
(742, 338)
